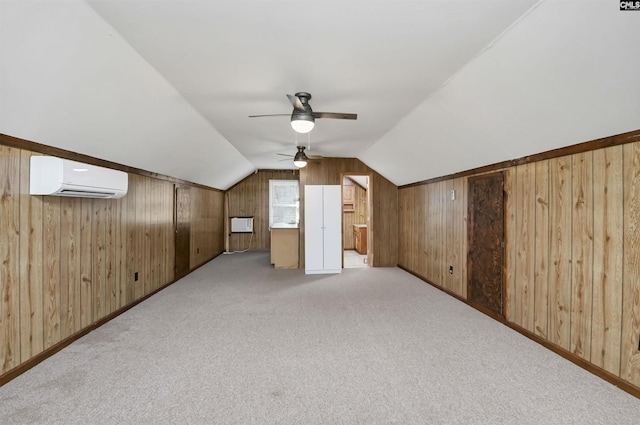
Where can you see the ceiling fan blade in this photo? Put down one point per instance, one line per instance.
(336, 115)
(269, 115)
(284, 154)
(295, 101)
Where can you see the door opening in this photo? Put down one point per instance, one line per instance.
(356, 219)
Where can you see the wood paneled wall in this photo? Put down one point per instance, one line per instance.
(250, 198)
(67, 263)
(383, 228)
(433, 234)
(207, 225)
(572, 250)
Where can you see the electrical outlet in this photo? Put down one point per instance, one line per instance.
(450, 269)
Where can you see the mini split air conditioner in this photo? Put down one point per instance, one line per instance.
(62, 177)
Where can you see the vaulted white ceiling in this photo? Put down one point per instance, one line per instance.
(438, 86)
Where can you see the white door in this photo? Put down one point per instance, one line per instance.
(313, 232)
(322, 229)
(332, 229)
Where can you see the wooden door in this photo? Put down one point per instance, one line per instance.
(183, 230)
(485, 258)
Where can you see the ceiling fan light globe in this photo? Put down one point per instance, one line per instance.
(300, 164)
(302, 124)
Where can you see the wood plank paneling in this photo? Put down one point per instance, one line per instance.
(510, 236)
(250, 198)
(9, 258)
(98, 267)
(404, 215)
(630, 358)
(132, 239)
(432, 233)
(582, 254)
(572, 250)
(147, 286)
(68, 262)
(450, 248)
(51, 270)
(206, 217)
(606, 327)
(139, 230)
(541, 263)
(418, 230)
(111, 242)
(31, 294)
(525, 247)
(459, 225)
(70, 266)
(560, 252)
(86, 263)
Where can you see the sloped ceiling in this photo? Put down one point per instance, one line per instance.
(439, 86)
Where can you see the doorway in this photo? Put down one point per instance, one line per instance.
(485, 258)
(356, 219)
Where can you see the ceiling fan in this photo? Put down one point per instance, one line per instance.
(303, 117)
(300, 159)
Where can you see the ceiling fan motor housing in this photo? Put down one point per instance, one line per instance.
(305, 114)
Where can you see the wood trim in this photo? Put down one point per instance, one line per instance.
(42, 356)
(575, 359)
(15, 142)
(619, 139)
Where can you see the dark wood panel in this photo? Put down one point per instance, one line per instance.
(486, 235)
(183, 232)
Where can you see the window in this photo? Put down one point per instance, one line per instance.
(284, 202)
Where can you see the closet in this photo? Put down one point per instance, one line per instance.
(323, 229)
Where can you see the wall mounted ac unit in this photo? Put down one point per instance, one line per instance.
(62, 177)
(241, 224)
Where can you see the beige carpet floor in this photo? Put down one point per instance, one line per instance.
(238, 342)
